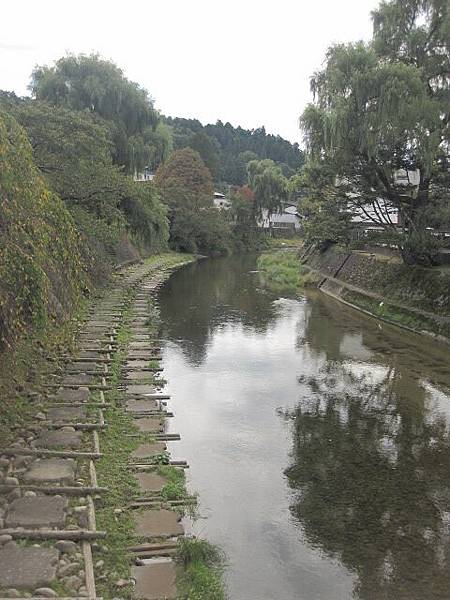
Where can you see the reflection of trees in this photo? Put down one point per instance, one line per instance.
(372, 471)
(209, 294)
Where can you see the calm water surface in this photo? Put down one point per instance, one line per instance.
(318, 439)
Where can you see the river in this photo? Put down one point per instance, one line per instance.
(318, 439)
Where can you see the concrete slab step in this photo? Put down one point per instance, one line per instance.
(158, 523)
(155, 581)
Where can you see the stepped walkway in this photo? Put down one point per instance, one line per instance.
(49, 488)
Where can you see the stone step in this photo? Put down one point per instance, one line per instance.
(160, 523)
(155, 581)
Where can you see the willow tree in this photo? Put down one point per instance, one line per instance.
(269, 185)
(89, 83)
(382, 110)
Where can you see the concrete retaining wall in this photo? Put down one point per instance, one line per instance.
(414, 297)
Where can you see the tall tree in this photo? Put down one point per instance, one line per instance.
(382, 109)
(89, 83)
(204, 145)
(73, 151)
(269, 185)
(186, 186)
(184, 180)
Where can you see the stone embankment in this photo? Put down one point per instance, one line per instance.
(61, 476)
(415, 298)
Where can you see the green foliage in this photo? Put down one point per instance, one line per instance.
(204, 145)
(41, 270)
(383, 107)
(73, 151)
(146, 215)
(247, 236)
(269, 185)
(89, 83)
(183, 180)
(185, 184)
(236, 147)
(281, 271)
(203, 568)
(175, 488)
(206, 231)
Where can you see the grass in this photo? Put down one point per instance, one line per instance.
(175, 488)
(113, 472)
(202, 574)
(281, 271)
(296, 242)
(25, 368)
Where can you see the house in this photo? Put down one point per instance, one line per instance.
(221, 202)
(286, 219)
(379, 213)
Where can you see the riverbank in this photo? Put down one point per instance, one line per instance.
(90, 500)
(381, 286)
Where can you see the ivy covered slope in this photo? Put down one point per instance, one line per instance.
(41, 270)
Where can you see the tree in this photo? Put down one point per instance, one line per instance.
(235, 147)
(73, 151)
(203, 144)
(268, 184)
(382, 109)
(244, 217)
(183, 180)
(89, 83)
(186, 186)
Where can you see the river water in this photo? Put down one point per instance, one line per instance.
(318, 439)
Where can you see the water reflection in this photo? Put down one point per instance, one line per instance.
(371, 457)
(346, 497)
(208, 294)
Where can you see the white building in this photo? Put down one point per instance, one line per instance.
(287, 218)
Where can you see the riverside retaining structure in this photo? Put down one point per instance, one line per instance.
(411, 297)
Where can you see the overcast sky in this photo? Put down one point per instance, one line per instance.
(243, 61)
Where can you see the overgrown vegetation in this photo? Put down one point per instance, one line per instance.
(281, 271)
(203, 565)
(396, 314)
(42, 272)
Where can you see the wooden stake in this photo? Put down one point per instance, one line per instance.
(55, 489)
(52, 534)
(89, 570)
(45, 452)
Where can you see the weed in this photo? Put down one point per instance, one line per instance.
(203, 565)
(281, 271)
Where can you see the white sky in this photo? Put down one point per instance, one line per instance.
(243, 61)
